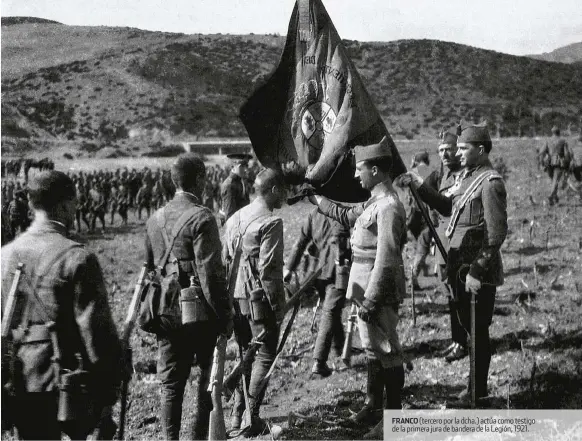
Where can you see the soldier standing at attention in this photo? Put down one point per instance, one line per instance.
(259, 288)
(476, 230)
(556, 157)
(61, 283)
(234, 190)
(143, 199)
(331, 239)
(98, 206)
(196, 257)
(376, 279)
(447, 181)
(18, 213)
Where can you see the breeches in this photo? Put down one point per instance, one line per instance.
(380, 338)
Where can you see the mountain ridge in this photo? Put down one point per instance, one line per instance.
(111, 85)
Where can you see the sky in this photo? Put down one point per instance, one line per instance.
(516, 27)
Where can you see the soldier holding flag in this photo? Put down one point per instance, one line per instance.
(376, 282)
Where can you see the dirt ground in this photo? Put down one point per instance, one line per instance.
(536, 331)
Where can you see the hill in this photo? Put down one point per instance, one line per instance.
(7, 21)
(113, 86)
(567, 54)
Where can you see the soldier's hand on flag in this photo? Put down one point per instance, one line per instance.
(408, 178)
(472, 285)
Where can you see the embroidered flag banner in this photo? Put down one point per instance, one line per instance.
(311, 112)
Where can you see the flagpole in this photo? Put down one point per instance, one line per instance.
(429, 223)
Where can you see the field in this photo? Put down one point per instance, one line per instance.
(536, 332)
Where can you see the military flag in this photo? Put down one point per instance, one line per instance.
(311, 112)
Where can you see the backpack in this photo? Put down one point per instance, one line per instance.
(159, 308)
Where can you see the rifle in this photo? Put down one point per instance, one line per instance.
(294, 302)
(347, 351)
(8, 351)
(127, 328)
(11, 303)
(412, 296)
(231, 381)
(472, 354)
(216, 426)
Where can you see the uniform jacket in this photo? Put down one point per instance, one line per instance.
(74, 294)
(446, 182)
(556, 153)
(262, 244)
(234, 195)
(197, 249)
(482, 225)
(378, 236)
(327, 235)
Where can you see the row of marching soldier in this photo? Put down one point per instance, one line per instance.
(63, 307)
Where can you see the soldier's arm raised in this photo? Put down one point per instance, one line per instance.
(346, 216)
(443, 204)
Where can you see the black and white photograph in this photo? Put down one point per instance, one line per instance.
(291, 220)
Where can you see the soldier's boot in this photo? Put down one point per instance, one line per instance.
(237, 409)
(203, 407)
(377, 431)
(171, 419)
(323, 343)
(393, 383)
(371, 413)
(258, 426)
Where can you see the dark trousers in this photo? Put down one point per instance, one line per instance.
(177, 353)
(556, 174)
(331, 329)
(261, 364)
(485, 301)
(35, 418)
(458, 333)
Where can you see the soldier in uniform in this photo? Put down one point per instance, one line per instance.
(123, 203)
(82, 207)
(447, 181)
(259, 288)
(61, 283)
(197, 253)
(556, 157)
(98, 205)
(18, 213)
(376, 281)
(331, 240)
(234, 191)
(144, 199)
(476, 230)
